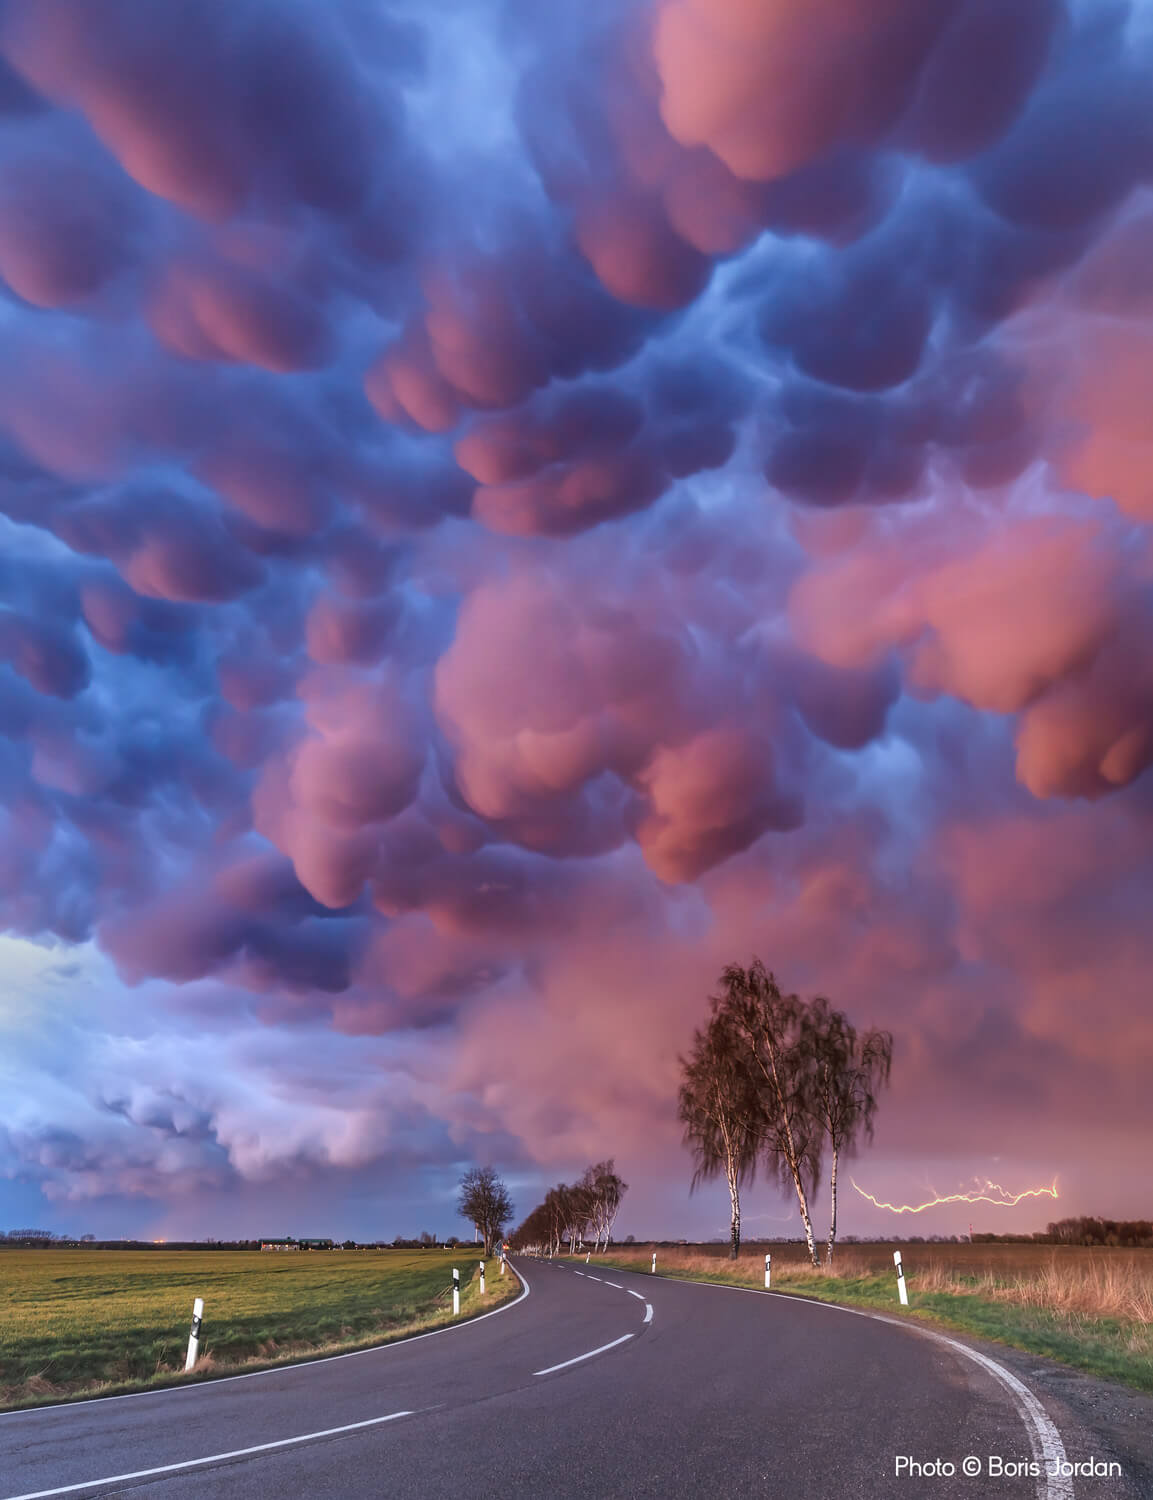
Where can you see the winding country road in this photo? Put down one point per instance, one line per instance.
(595, 1383)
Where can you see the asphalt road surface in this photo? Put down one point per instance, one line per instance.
(596, 1383)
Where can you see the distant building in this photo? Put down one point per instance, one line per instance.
(291, 1244)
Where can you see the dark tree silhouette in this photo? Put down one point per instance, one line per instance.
(534, 1235)
(557, 1214)
(848, 1072)
(484, 1201)
(719, 1107)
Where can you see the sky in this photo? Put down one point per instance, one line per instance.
(508, 508)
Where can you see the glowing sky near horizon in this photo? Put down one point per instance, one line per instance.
(505, 509)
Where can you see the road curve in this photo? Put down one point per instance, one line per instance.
(596, 1383)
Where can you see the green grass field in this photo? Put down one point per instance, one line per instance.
(98, 1322)
(1092, 1309)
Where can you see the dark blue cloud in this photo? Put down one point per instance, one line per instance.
(454, 509)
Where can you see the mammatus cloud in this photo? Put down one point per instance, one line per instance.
(482, 547)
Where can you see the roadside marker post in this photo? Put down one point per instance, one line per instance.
(654, 1262)
(588, 1257)
(901, 1292)
(482, 1278)
(194, 1333)
(768, 1270)
(455, 1292)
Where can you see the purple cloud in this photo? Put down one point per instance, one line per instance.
(484, 543)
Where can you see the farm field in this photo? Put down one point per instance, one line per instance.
(1089, 1307)
(100, 1322)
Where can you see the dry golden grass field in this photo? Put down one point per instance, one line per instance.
(96, 1322)
(1091, 1308)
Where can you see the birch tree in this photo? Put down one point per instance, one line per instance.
(579, 1204)
(571, 1211)
(605, 1189)
(848, 1073)
(720, 1112)
(558, 1209)
(769, 1035)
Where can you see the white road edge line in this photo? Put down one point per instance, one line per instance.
(624, 1338)
(648, 1312)
(1044, 1439)
(213, 1458)
(299, 1364)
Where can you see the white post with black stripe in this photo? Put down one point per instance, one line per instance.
(901, 1292)
(455, 1292)
(654, 1262)
(768, 1270)
(194, 1333)
(482, 1278)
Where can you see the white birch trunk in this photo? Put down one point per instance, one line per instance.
(832, 1208)
(735, 1197)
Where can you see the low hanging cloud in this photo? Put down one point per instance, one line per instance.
(483, 546)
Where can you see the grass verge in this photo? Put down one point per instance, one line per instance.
(81, 1323)
(1093, 1314)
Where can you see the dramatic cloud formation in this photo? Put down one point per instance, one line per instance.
(498, 520)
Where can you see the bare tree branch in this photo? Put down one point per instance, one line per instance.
(484, 1201)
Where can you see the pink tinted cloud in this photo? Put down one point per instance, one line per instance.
(215, 311)
(1042, 619)
(253, 920)
(166, 545)
(922, 951)
(321, 802)
(1101, 320)
(206, 115)
(434, 647)
(710, 798)
(67, 224)
(49, 657)
(769, 93)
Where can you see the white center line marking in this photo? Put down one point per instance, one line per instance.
(594, 1278)
(213, 1458)
(580, 1273)
(615, 1284)
(648, 1312)
(562, 1366)
(637, 1295)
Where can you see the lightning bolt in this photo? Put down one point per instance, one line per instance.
(977, 1195)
